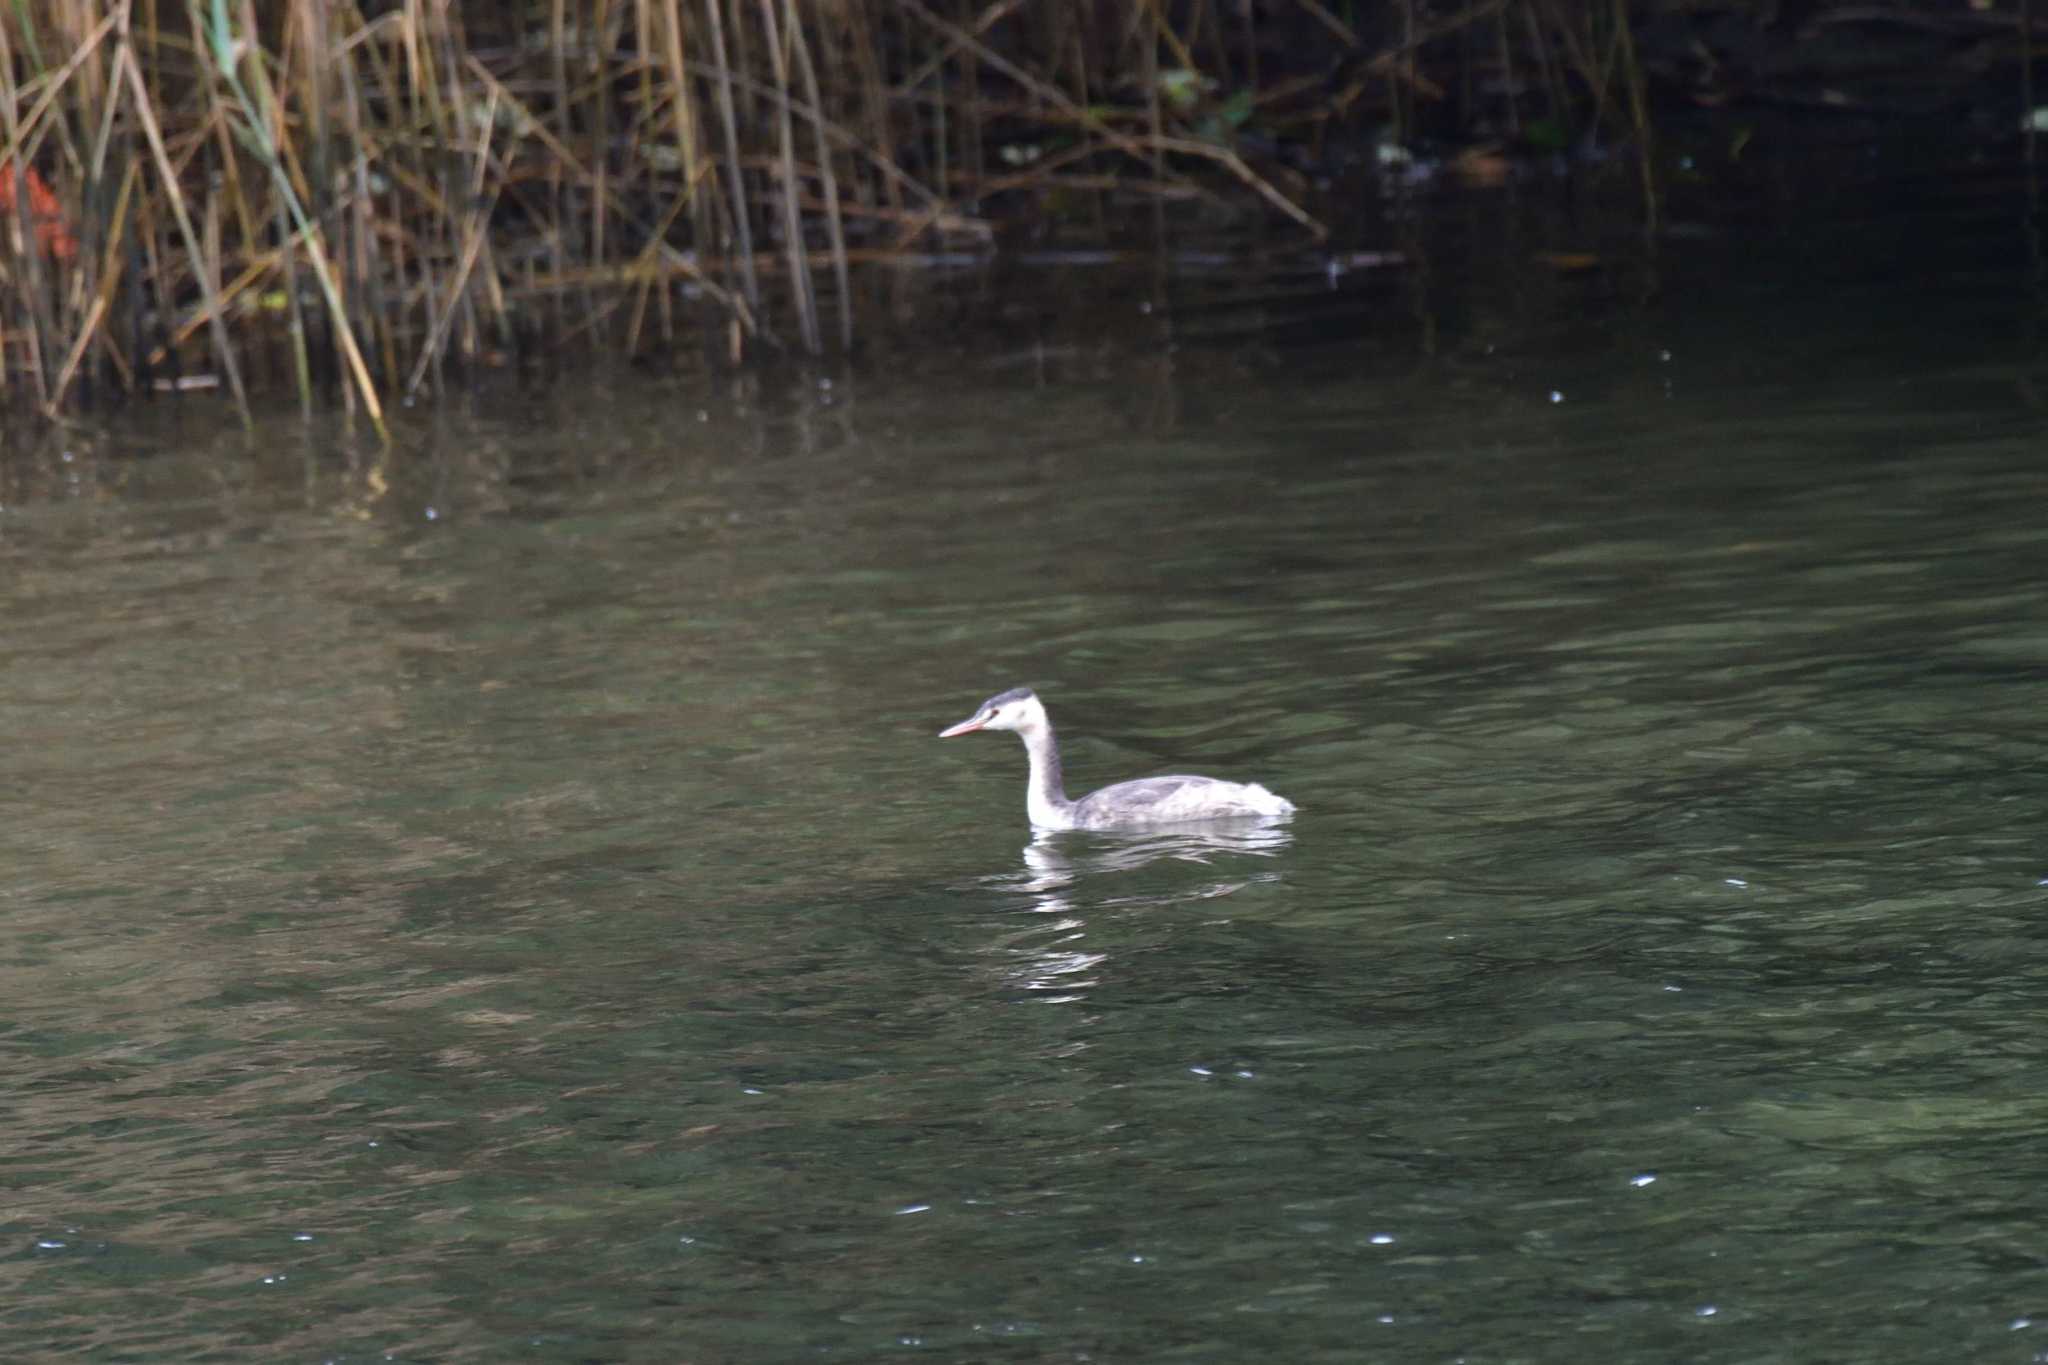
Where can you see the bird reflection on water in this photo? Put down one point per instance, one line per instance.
(1058, 880)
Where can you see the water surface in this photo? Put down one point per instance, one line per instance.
(504, 899)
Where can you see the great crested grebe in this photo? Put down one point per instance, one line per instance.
(1148, 801)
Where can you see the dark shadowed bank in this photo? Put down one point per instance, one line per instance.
(361, 202)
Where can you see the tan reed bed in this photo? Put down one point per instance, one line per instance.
(378, 192)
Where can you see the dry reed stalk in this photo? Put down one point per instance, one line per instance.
(1546, 61)
(109, 278)
(362, 279)
(2027, 83)
(219, 129)
(972, 133)
(941, 136)
(874, 98)
(683, 114)
(792, 217)
(657, 143)
(1401, 89)
(932, 65)
(83, 338)
(295, 313)
(473, 241)
(1339, 30)
(674, 259)
(1639, 114)
(107, 187)
(174, 194)
(206, 265)
(1135, 147)
(728, 117)
(563, 106)
(886, 167)
(153, 301)
(645, 104)
(260, 128)
(302, 364)
(1084, 83)
(835, 226)
(647, 281)
(600, 140)
(28, 280)
(482, 307)
(1155, 113)
(1162, 30)
(58, 83)
(1582, 48)
(1250, 17)
(1507, 70)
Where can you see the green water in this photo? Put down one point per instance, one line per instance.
(507, 901)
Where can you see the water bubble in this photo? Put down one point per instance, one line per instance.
(1381, 1239)
(1705, 1310)
(49, 1244)
(1646, 1178)
(1734, 881)
(913, 1208)
(2020, 1324)
(751, 1090)
(302, 1237)
(1387, 1319)
(1201, 1071)
(1674, 989)
(1244, 1075)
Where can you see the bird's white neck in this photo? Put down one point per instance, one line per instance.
(1045, 799)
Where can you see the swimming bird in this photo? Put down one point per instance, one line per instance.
(1149, 801)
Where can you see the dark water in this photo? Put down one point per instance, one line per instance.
(505, 900)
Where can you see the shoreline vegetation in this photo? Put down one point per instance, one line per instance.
(371, 198)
